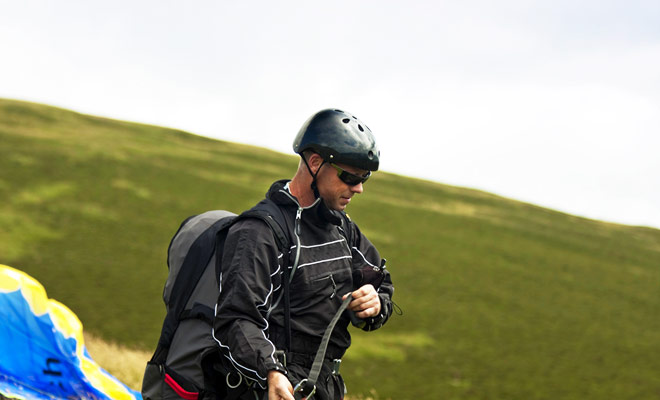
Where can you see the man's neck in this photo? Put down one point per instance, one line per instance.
(301, 189)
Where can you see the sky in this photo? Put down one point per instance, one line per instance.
(553, 103)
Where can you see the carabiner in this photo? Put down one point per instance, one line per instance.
(299, 389)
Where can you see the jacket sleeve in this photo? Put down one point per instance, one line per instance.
(365, 255)
(250, 269)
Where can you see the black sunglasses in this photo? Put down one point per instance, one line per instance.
(351, 179)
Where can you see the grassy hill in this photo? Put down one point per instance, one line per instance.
(501, 299)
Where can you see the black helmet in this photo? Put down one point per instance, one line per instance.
(339, 137)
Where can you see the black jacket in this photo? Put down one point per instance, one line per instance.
(249, 316)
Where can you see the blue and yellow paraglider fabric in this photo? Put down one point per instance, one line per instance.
(42, 352)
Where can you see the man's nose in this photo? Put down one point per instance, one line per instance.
(357, 188)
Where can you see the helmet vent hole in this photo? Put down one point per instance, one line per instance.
(340, 111)
(360, 128)
(346, 120)
(370, 155)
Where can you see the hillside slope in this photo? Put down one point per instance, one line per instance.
(501, 299)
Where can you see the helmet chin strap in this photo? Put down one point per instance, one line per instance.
(314, 187)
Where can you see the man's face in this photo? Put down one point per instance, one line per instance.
(335, 193)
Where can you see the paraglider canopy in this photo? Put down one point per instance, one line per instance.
(42, 347)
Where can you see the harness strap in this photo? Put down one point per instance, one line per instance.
(306, 388)
(287, 309)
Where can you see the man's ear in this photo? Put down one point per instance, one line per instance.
(315, 161)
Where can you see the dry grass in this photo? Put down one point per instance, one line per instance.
(127, 364)
(124, 363)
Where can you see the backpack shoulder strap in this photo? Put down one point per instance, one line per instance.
(273, 215)
(346, 228)
(267, 211)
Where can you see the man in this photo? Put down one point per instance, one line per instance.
(329, 260)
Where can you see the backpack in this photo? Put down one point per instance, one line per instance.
(186, 361)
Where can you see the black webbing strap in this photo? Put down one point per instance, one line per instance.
(287, 308)
(306, 388)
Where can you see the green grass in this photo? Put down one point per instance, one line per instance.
(501, 299)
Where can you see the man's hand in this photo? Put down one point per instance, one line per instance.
(365, 303)
(279, 387)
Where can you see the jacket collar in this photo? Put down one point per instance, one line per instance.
(319, 213)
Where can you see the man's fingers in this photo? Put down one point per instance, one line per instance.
(364, 290)
(279, 387)
(365, 313)
(282, 394)
(369, 296)
(359, 294)
(365, 303)
(367, 306)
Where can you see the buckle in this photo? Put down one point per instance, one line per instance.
(336, 363)
(280, 355)
(300, 389)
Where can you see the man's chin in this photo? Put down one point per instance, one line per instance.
(336, 206)
(343, 203)
(339, 207)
